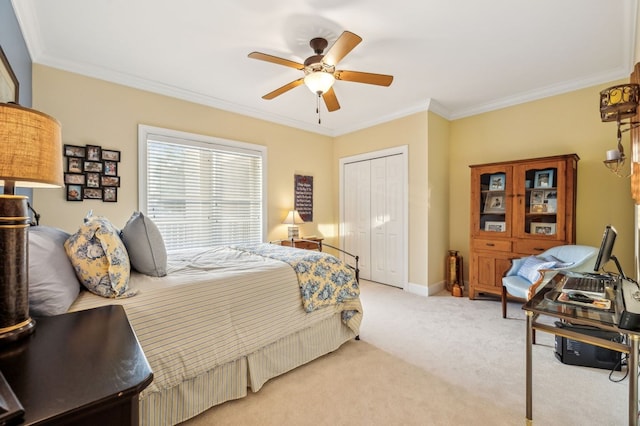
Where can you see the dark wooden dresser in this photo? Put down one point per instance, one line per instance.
(79, 368)
(311, 243)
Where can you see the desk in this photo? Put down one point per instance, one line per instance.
(543, 304)
(78, 368)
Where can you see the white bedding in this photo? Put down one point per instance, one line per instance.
(214, 306)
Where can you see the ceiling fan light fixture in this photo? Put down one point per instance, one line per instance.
(319, 82)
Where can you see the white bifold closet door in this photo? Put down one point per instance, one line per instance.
(373, 217)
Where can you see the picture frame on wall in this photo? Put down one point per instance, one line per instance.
(109, 180)
(74, 151)
(92, 193)
(93, 180)
(93, 166)
(74, 165)
(74, 178)
(110, 194)
(74, 192)
(94, 153)
(92, 173)
(9, 86)
(110, 155)
(110, 168)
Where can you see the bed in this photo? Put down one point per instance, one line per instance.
(227, 319)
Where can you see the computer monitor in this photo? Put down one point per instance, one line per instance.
(605, 254)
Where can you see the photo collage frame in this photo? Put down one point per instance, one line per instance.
(92, 173)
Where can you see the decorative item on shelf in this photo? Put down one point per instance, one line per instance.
(494, 203)
(494, 226)
(616, 104)
(497, 182)
(293, 218)
(31, 157)
(543, 179)
(454, 273)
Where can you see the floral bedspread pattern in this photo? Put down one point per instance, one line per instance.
(324, 279)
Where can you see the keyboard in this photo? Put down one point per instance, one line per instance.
(592, 287)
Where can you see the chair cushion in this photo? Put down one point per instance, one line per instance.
(530, 269)
(516, 286)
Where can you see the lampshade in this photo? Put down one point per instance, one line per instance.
(319, 82)
(31, 148)
(31, 156)
(293, 217)
(619, 102)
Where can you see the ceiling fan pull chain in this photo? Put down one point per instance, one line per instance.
(318, 108)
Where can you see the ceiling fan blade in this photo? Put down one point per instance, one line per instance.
(343, 45)
(283, 89)
(364, 77)
(276, 60)
(330, 100)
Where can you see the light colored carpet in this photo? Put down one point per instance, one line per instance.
(440, 360)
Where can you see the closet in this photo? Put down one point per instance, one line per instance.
(374, 215)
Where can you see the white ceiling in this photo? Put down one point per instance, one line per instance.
(454, 57)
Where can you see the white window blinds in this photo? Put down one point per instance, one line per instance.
(201, 191)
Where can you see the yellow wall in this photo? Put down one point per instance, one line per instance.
(96, 112)
(563, 124)
(439, 196)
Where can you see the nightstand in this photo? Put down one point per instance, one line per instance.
(84, 367)
(311, 243)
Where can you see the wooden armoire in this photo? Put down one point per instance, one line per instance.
(518, 208)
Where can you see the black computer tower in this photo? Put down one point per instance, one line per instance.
(572, 352)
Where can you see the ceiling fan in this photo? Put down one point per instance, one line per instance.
(320, 69)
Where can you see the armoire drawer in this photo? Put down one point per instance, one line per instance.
(495, 245)
(534, 246)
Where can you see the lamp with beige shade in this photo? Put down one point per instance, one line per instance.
(31, 157)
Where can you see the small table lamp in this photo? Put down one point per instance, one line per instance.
(30, 156)
(292, 219)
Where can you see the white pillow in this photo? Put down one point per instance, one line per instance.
(530, 269)
(145, 245)
(53, 285)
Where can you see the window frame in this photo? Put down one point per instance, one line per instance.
(176, 136)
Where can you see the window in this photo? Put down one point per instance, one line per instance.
(201, 191)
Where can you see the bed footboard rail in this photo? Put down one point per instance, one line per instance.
(320, 245)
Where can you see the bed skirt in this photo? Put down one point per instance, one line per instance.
(231, 380)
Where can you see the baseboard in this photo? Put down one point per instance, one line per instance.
(436, 288)
(420, 290)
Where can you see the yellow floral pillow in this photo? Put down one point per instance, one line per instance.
(99, 258)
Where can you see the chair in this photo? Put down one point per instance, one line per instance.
(516, 283)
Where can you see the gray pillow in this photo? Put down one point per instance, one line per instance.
(53, 285)
(147, 252)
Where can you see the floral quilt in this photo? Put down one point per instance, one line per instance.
(324, 279)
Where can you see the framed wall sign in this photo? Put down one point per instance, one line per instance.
(303, 193)
(9, 87)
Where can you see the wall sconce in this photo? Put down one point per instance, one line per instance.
(292, 219)
(30, 142)
(616, 104)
